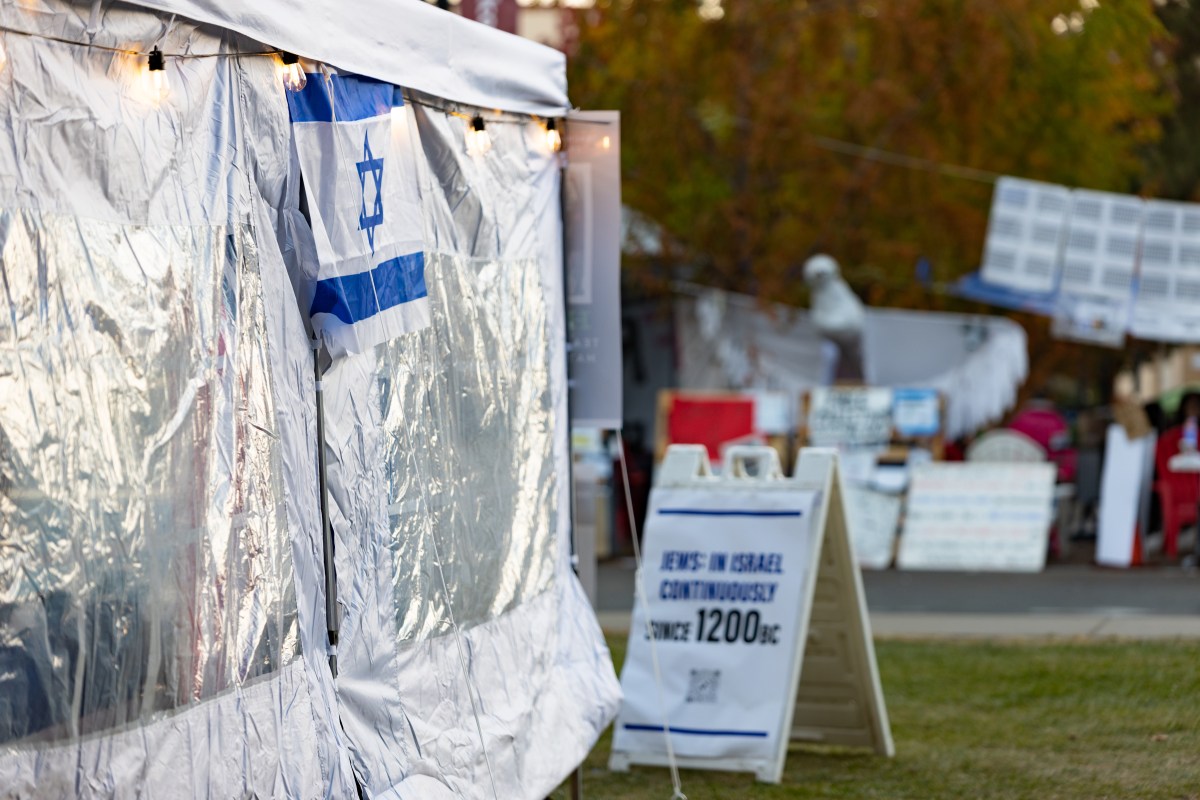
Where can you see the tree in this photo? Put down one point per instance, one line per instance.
(727, 124)
(1175, 160)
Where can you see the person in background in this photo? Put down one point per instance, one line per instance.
(1178, 492)
(1187, 420)
(1041, 421)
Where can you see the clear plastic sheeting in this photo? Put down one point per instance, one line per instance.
(466, 414)
(158, 571)
(470, 663)
(139, 471)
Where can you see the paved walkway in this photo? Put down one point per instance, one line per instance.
(1075, 602)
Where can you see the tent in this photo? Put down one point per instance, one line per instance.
(168, 268)
(730, 341)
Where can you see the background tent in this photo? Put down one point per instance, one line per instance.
(729, 341)
(162, 589)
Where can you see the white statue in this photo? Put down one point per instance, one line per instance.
(837, 313)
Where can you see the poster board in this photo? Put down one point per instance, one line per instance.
(978, 516)
(720, 420)
(1123, 484)
(873, 416)
(874, 517)
(592, 256)
(857, 416)
(755, 614)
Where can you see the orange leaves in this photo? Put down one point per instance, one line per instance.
(719, 119)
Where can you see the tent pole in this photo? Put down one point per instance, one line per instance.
(577, 775)
(332, 618)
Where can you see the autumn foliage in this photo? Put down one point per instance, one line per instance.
(731, 127)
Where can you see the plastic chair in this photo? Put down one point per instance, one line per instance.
(1178, 492)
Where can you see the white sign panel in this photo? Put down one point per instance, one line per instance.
(1091, 319)
(873, 518)
(850, 416)
(1121, 489)
(755, 612)
(980, 516)
(1101, 250)
(592, 219)
(916, 412)
(724, 575)
(1024, 232)
(1167, 306)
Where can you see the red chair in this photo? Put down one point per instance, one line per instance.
(1178, 492)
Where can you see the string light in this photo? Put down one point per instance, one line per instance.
(154, 78)
(291, 73)
(479, 141)
(553, 137)
(3, 54)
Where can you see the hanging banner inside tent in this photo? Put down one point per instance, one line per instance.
(356, 156)
(1167, 306)
(1024, 234)
(592, 216)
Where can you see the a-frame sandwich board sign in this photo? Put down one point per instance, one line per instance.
(726, 655)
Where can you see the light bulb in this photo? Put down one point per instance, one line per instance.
(3, 55)
(479, 141)
(154, 77)
(291, 73)
(553, 137)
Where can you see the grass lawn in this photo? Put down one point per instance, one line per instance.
(1032, 720)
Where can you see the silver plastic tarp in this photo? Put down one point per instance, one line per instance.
(162, 625)
(468, 650)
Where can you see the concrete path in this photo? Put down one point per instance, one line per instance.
(1075, 602)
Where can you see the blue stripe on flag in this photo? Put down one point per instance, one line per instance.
(355, 97)
(353, 298)
(629, 726)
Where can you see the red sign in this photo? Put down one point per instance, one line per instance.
(500, 14)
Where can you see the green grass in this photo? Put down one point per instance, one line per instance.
(1038, 720)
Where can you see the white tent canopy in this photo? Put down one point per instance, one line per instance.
(406, 42)
(162, 585)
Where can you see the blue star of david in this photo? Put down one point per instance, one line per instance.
(369, 222)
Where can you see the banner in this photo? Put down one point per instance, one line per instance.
(359, 168)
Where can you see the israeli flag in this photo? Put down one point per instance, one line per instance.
(356, 156)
